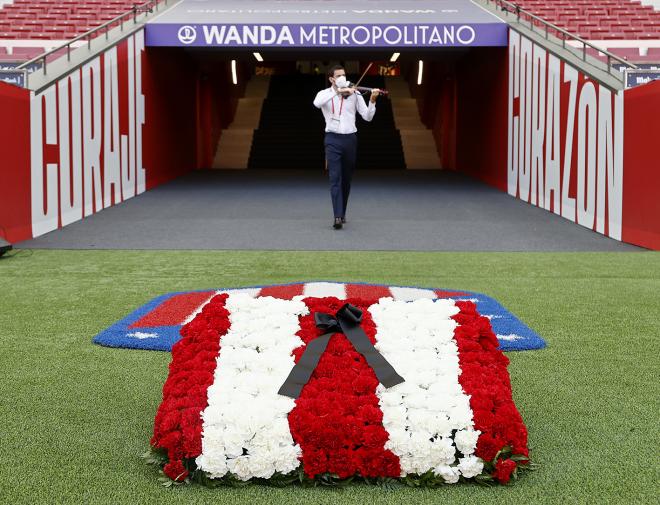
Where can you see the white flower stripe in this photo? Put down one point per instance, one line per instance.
(409, 294)
(253, 292)
(245, 425)
(421, 413)
(323, 289)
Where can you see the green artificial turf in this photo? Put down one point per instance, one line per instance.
(75, 417)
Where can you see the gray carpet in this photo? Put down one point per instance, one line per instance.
(420, 211)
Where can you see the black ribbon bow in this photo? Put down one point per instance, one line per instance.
(347, 321)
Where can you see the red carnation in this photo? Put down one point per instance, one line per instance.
(488, 446)
(503, 470)
(374, 436)
(365, 383)
(176, 471)
(370, 414)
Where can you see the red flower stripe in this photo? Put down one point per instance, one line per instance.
(485, 378)
(173, 311)
(337, 420)
(178, 424)
(283, 292)
(367, 291)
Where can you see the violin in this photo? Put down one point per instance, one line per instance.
(362, 89)
(369, 90)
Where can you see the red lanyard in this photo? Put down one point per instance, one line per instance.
(341, 105)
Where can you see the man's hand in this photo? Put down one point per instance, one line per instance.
(374, 94)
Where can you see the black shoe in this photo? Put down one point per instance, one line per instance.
(343, 220)
(337, 224)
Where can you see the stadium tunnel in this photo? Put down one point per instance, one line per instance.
(258, 114)
(252, 114)
(183, 90)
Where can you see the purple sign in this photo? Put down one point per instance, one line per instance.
(327, 35)
(641, 76)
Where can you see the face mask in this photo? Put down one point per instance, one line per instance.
(341, 81)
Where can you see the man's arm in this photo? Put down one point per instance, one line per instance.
(323, 97)
(367, 113)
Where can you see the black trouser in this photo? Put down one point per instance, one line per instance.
(340, 152)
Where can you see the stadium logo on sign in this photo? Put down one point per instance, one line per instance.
(187, 34)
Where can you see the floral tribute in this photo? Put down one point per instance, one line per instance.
(222, 420)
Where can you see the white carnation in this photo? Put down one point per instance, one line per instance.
(443, 451)
(450, 474)
(261, 465)
(466, 440)
(240, 467)
(470, 466)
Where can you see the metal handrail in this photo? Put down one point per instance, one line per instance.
(135, 10)
(510, 7)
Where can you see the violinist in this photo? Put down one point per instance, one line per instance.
(339, 104)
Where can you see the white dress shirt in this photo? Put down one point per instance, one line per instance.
(326, 97)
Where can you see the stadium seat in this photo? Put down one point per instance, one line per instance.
(38, 19)
(593, 19)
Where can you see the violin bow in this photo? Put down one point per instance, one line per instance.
(363, 74)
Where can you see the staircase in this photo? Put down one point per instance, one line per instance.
(379, 141)
(419, 147)
(291, 130)
(233, 149)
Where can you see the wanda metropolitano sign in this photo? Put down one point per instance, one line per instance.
(360, 23)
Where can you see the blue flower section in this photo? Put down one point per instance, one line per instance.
(512, 333)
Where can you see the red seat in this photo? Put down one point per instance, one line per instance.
(10, 58)
(624, 52)
(597, 34)
(41, 35)
(28, 50)
(615, 36)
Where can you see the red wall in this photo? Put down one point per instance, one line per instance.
(169, 142)
(186, 103)
(466, 105)
(481, 125)
(15, 169)
(641, 158)
(464, 102)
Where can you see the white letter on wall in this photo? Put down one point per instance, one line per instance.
(524, 159)
(128, 165)
(553, 140)
(514, 86)
(586, 145)
(91, 93)
(139, 111)
(568, 203)
(70, 162)
(111, 147)
(610, 163)
(44, 213)
(538, 124)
